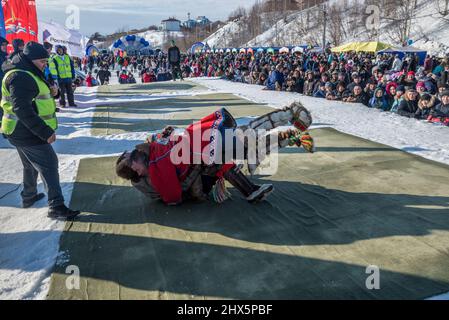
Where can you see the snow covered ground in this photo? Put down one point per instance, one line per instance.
(29, 242)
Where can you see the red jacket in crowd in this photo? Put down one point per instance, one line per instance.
(147, 78)
(89, 81)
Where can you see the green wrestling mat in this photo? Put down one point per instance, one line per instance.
(352, 204)
(147, 88)
(180, 111)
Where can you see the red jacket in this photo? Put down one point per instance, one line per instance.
(89, 80)
(165, 174)
(147, 78)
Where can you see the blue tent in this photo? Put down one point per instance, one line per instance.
(403, 51)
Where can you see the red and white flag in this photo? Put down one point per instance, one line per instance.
(20, 20)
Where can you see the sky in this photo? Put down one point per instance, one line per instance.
(108, 16)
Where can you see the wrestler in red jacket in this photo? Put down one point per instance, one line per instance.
(173, 168)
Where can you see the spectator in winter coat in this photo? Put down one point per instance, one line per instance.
(413, 64)
(299, 75)
(379, 100)
(104, 75)
(328, 89)
(441, 88)
(131, 78)
(409, 106)
(442, 109)
(397, 64)
(334, 79)
(324, 79)
(292, 85)
(49, 47)
(342, 78)
(426, 105)
(148, 77)
(89, 79)
(18, 45)
(408, 80)
(262, 81)
(421, 87)
(123, 79)
(357, 96)
(370, 88)
(276, 79)
(444, 76)
(428, 64)
(356, 81)
(339, 93)
(321, 92)
(400, 91)
(390, 93)
(309, 84)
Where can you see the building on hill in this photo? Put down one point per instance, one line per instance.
(201, 21)
(189, 23)
(171, 24)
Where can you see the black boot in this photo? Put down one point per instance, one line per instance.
(252, 192)
(62, 212)
(29, 203)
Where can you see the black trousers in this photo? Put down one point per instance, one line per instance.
(41, 160)
(176, 71)
(66, 88)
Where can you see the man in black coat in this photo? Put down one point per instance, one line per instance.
(442, 109)
(32, 137)
(18, 45)
(174, 58)
(104, 74)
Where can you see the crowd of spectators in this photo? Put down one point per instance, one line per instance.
(407, 86)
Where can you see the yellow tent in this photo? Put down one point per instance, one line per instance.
(373, 46)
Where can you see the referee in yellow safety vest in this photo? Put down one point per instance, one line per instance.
(63, 72)
(29, 123)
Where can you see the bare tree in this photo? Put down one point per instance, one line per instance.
(336, 29)
(442, 7)
(401, 16)
(238, 13)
